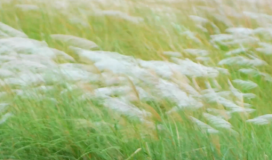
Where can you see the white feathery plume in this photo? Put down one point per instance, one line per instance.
(166, 89)
(215, 82)
(192, 36)
(224, 94)
(190, 68)
(217, 121)
(2, 94)
(63, 54)
(127, 65)
(114, 62)
(61, 4)
(249, 71)
(74, 41)
(3, 35)
(42, 59)
(228, 39)
(78, 21)
(29, 78)
(203, 126)
(7, 58)
(233, 107)
(252, 14)
(221, 37)
(215, 28)
(110, 91)
(247, 40)
(240, 31)
(266, 76)
(227, 103)
(43, 88)
(237, 51)
(210, 95)
(196, 52)
(245, 84)
(5, 117)
(242, 110)
(266, 32)
(23, 65)
(220, 112)
(222, 70)
(97, 56)
(239, 94)
(74, 73)
(5, 73)
(125, 107)
(199, 19)
(254, 72)
(261, 120)
(258, 16)
(164, 69)
(203, 29)
(189, 89)
(3, 106)
(69, 88)
(265, 48)
(20, 43)
(25, 79)
(25, 46)
(246, 105)
(242, 61)
(11, 31)
(249, 95)
(111, 79)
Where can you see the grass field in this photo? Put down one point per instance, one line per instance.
(135, 79)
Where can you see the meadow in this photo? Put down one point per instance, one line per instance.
(135, 80)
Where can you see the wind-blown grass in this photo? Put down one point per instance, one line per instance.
(135, 80)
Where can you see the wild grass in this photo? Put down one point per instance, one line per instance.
(157, 80)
